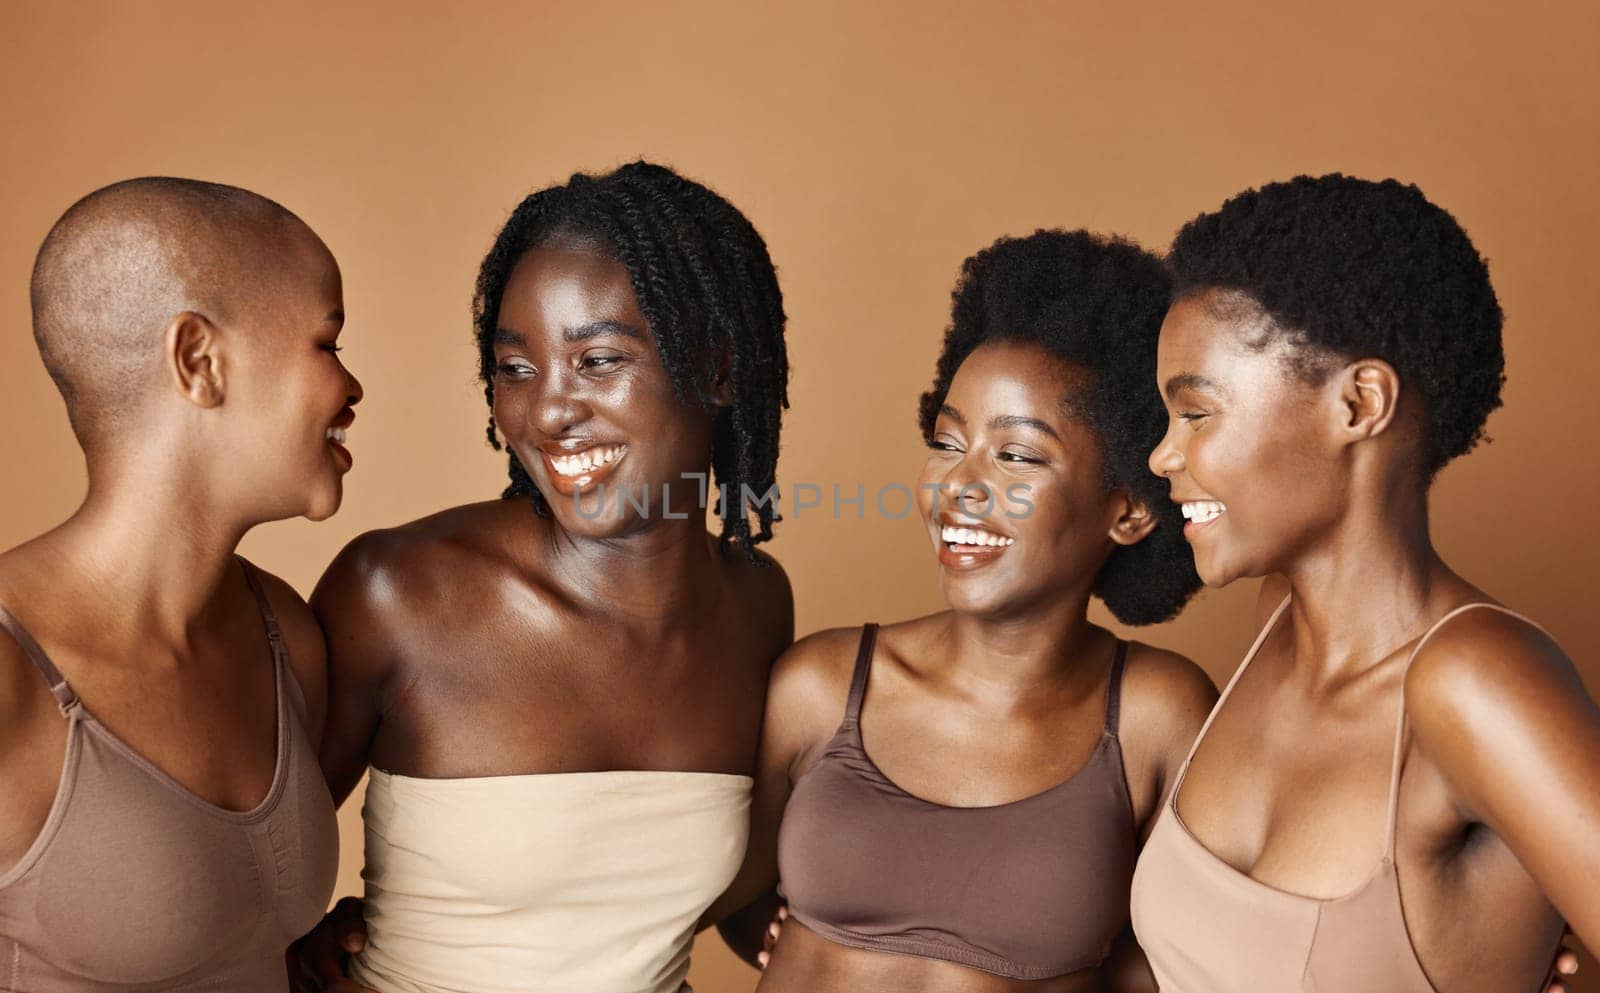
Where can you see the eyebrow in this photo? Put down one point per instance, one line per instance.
(595, 329)
(1190, 381)
(1003, 421)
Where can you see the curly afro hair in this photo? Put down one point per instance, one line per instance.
(1097, 303)
(706, 286)
(1347, 268)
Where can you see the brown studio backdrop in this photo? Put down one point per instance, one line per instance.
(875, 146)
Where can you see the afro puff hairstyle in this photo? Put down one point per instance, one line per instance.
(1097, 303)
(706, 286)
(1348, 268)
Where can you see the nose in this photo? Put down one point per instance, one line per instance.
(353, 389)
(964, 488)
(1166, 459)
(557, 407)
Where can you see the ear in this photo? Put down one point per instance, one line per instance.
(193, 355)
(1134, 521)
(1369, 396)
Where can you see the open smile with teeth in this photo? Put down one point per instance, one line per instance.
(587, 460)
(973, 536)
(1203, 511)
(336, 435)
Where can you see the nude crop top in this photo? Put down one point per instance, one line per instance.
(1031, 889)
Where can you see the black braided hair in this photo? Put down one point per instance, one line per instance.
(705, 284)
(1096, 302)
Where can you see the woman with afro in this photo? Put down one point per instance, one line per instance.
(972, 823)
(1400, 789)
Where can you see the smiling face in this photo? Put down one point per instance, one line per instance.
(582, 397)
(1014, 492)
(291, 380)
(1252, 451)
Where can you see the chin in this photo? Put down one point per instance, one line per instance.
(325, 505)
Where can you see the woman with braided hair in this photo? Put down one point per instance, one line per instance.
(559, 692)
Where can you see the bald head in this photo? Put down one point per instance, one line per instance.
(127, 259)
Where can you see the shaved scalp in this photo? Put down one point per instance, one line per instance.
(124, 261)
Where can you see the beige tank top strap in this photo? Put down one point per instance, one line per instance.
(1266, 629)
(66, 699)
(1397, 763)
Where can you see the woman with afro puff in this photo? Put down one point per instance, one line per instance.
(1400, 790)
(971, 824)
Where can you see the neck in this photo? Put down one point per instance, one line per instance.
(1367, 587)
(149, 540)
(1016, 654)
(663, 574)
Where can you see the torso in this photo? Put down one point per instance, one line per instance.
(129, 749)
(1289, 791)
(495, 671)
(926, 735)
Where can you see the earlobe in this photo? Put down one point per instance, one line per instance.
(194, 358)
(1134, 524)
(1369, 397)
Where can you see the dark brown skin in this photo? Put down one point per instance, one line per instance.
(137, 597)
(1499, 809)
(486, 641)
(1015, 651)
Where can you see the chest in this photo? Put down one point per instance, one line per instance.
(505, 696)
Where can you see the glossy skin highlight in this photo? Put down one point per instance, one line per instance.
(999, 697)
(1499, 804)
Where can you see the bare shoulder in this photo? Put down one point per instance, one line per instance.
(764, 587)
(1481, 663)
(418, 564)
(1161, 688)
(811, 680)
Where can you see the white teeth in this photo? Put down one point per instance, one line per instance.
(1201, 511)
(336, 435)
(973, 536)
(587, 460)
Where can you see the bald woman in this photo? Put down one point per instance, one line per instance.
(161, 698)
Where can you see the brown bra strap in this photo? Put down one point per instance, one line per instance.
(1114, 689)
(268, 618)
(66, 699)
(858, 680)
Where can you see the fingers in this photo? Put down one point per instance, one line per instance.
(762, 958)
(1567, 962)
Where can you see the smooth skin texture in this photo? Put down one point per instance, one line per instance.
(1499, 806)
(486, 640)
(137, 597)
(998, 698)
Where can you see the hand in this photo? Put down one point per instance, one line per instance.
(769, 941)
(317, 961)
(1564, 967)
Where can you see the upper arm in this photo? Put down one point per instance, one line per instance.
(1166, 700)
(308, 656)
(805, 702)
(352, 601)
(1497, 707)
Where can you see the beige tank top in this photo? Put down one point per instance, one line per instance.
(136, 883)
(568, 882)
(1206, 927)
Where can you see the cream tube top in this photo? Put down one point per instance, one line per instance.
(586, 882)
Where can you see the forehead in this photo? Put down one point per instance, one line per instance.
(1005, 378)
(562, 285)
(291, 268)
